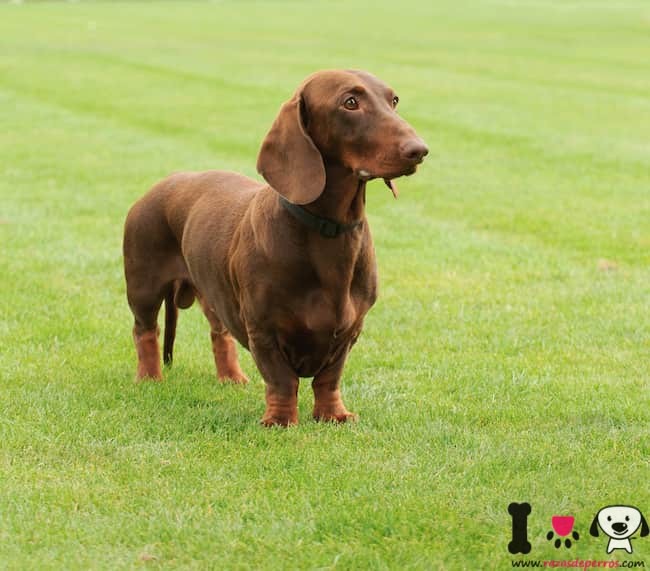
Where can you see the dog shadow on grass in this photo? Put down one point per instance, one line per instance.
(188, 402)
(191, 400)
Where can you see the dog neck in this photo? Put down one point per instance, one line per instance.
(344, 196)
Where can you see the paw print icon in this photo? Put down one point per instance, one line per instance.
(562, 531)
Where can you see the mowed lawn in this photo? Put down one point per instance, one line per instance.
(508, 356)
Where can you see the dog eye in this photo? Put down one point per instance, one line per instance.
(395, 101)
(627, 518)
(351, 103)
(609, 518)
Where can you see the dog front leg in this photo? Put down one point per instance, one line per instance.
(328, 405)
(281, 384)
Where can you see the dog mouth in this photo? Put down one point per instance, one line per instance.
(389, 181)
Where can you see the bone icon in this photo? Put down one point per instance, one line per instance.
(519, 514)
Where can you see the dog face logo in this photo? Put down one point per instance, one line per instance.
(619, 523)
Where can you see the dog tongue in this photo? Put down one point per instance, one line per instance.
(390, 184)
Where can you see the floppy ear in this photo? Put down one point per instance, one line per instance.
(644, 526)
(593, 530)
(288, 160)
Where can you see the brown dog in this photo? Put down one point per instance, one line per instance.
(291, 283)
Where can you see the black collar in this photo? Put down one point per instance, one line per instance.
(326, 227)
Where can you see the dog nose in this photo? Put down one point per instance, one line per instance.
(619, 527)
(414, 150)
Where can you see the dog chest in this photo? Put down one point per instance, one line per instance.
(314, 332)
(324, 312)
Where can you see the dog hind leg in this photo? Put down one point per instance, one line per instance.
(145, 337)
(223, 348)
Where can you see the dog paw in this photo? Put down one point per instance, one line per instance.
(339, 417)
(148, 378)
(234, 378)
(278, 421)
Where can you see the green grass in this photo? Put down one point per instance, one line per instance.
(502, 362)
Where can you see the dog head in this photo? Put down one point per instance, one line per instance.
(344, 118)
(619, 522)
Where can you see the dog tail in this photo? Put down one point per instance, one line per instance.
(171, 317)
